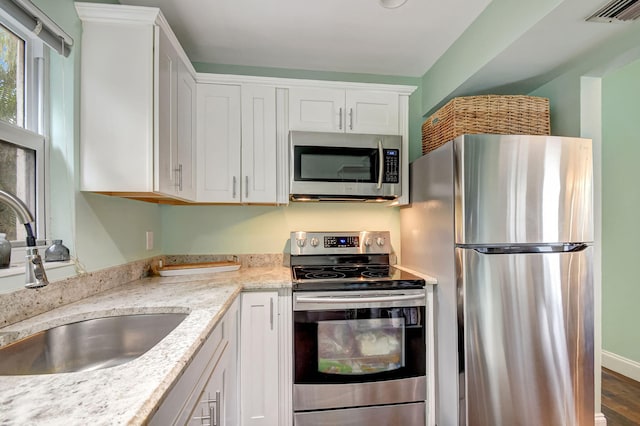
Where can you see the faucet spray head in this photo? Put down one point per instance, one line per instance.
(36, 276)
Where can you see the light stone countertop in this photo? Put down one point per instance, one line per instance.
(128, 393)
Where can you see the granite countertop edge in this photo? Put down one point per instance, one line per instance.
(128, 393)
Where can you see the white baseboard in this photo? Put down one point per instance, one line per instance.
(621, 365)
(601, 420)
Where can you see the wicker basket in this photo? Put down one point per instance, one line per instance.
(497, 114)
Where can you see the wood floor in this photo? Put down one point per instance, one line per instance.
(620, 399)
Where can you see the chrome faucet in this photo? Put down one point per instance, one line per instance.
(35, 275)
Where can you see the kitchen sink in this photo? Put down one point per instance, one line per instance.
(87, 345)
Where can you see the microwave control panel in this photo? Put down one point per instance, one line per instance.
(391, 166)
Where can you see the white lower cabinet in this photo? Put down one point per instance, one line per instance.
(207, 392)
(259, 365)
(242, 374)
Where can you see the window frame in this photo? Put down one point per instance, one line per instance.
(32, 135)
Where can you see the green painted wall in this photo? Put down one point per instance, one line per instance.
(621, 204)
(497, 27)
(101, 231)
(265, 229)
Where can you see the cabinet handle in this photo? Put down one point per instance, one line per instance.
(234, 188)
(180, 177)
(176, 177)
(246, 187)
(350, 118)
(202, 418)
(340, 119)
(271, 312)
(218, 402)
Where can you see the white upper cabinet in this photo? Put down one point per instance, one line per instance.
(186, 121)
(343, 110)
(175, 124)
(372, 112)
(259, 144)
(316, 109)
(236, 143)
(135, 136)
(218, 143)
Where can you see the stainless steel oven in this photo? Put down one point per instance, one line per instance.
(359, 332)
(345, 166)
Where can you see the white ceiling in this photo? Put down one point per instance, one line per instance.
(360, 36)
(357, 36)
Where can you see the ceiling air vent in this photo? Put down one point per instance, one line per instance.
(617, 11)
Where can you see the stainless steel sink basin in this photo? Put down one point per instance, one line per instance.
(87, 345)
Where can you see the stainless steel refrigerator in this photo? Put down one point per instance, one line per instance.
(505, 224)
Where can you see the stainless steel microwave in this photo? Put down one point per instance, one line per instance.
(344, 166)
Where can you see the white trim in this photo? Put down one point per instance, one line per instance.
(619, 364)
(30, 140)
(282, 147)
(295, 82)
(403, 119)
(600, 420)
(285, 342)
(117, 13)
(124, 14)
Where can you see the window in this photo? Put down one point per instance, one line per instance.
(22, 154)
(11, 77)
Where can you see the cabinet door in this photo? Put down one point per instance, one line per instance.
(372, 112)
(210, 408)
(218, 143)
(259, 372)
(186, 122)
(166, 138)
(259, 169)
(316, 109)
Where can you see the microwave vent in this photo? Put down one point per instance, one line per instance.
(617, 11)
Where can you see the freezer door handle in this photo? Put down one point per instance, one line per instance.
(539, 249)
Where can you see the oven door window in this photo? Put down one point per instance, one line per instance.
(359, 345)
(317, 163)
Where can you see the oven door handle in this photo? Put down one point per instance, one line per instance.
(347, 299)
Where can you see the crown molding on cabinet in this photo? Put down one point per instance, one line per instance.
(124, 14)
(117, 13)
(295, 82)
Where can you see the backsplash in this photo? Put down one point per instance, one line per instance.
(26, 303)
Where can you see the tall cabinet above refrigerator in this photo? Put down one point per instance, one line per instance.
(505, 224)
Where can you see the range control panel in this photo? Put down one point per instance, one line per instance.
(374, 242)
(341, 242)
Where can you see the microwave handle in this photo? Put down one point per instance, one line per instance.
(380, 163)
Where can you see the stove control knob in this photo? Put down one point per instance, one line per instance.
(301, 242)
(314, 242)
(380, 241)
(367, 242)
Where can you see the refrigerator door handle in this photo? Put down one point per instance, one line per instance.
(539, 249)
